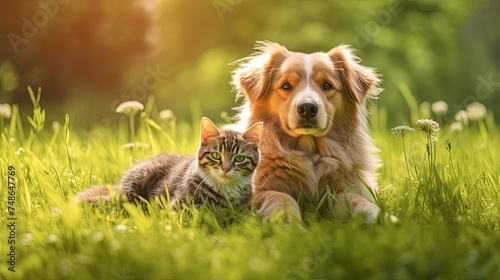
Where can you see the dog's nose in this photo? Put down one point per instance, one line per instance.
(307, 110)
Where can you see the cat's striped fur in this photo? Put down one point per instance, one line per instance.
(221, 173)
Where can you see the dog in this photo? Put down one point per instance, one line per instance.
(316, 139)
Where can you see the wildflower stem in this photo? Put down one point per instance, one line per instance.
(132, 128)
(406, 158)
(429, 149)
(132, 135)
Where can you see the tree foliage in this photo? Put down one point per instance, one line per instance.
(105, 50)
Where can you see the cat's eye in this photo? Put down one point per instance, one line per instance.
(286, 86)
(327, 86)
(239, 158)
(216, 155)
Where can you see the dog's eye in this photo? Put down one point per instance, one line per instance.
(327, 86)
(286, 86)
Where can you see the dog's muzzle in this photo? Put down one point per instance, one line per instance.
(307, 112)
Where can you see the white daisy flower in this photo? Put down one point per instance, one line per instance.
(20, 151)
(27, 238)
(428, 125)
(121, 228)
(402, 130)
(476, 111)
(52, 238)
(129, 108)
(5, 111)
(439, 107)
(166, 114)
(462, 117)
(56, 126)
(456, 126)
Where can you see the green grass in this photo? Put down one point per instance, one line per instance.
(448, 210)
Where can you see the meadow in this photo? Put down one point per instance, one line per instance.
(445, 193)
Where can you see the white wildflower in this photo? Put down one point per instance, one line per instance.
(129, 108)
(12, 139)
(52, 238)
(121, 228)
(56, 126)
(20, 151)
(428, 125)
(166, 114)
(439, 107)
(168, 227)
(402, 130)
(27, 238)
(456, 126)
(462, 117)
(433, 138)
(5, 111)
(476, 111)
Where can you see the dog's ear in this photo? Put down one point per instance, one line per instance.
(358, 80)
(254, 74)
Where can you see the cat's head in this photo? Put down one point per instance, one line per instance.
(229, 156)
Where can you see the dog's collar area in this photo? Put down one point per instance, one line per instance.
(307, 143)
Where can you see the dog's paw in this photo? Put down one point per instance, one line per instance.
(327, 165)
(370, 212)
(390, 218)
(315, 159)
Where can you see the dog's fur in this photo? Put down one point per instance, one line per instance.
(316, 135)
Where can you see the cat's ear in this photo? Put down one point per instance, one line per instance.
(208, 130)
(253, 133)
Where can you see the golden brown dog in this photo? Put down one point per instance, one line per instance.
(315, 131)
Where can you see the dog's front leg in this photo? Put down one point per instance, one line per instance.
(279, 181)
(353, 203)
(274, 204)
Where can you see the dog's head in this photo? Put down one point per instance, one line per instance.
(307, 93)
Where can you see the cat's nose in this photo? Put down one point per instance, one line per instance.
(226, 169)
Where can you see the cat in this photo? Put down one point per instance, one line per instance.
(221, 173)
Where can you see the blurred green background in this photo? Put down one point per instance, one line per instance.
(89, 56)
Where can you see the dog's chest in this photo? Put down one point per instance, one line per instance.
(307, 144)
(329, 158)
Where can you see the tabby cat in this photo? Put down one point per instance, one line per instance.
(221, 174)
